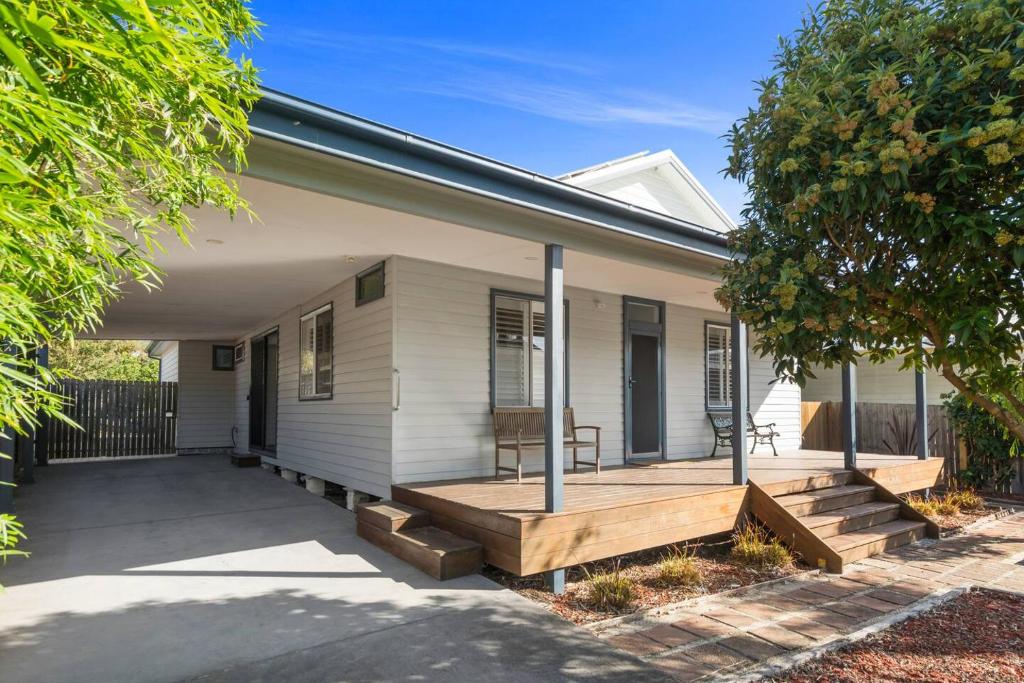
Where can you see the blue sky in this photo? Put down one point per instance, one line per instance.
(549, 86)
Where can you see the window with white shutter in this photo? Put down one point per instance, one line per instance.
(517, 366)
(718, 366)
(316, 354)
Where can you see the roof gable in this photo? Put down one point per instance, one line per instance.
(658, 182)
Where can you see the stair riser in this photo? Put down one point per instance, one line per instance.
(856, 523)
(824, 481)
(828, 504)
(387, 523)
(881, 545)
(440, 566)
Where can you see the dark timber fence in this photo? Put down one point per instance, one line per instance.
(881, 428)
(117, 419)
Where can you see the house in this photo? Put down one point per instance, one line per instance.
(394, 290)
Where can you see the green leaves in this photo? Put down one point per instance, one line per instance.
(115, 116)
(889, 143)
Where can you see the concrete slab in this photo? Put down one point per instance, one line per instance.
(185, 568)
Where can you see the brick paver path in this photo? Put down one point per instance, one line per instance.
(726, 634)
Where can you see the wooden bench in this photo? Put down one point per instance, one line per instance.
(721, 423)
(519, 429)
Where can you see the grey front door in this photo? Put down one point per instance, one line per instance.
(644, 396)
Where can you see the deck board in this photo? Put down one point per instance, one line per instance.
(626, 508)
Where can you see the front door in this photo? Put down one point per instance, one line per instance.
(644, 399)
(263, 392)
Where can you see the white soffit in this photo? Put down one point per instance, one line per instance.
(237, 273)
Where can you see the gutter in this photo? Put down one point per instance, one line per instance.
(305, 124)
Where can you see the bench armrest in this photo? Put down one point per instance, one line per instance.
(578, 427)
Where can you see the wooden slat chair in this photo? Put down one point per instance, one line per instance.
(520, 429)
(721, 424)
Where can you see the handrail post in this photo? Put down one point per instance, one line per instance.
(740, 381)
(849, 415)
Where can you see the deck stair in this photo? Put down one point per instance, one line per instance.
(835, 519)
(406, 532)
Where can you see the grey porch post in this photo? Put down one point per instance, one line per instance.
(849, 416)
(921, 405)
(738, 359)
(554, 392)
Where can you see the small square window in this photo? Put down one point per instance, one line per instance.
(370, 284)
(239, 352)
(223, 357)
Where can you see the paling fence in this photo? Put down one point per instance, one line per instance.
(117, 419)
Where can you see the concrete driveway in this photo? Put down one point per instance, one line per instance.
(182, 568)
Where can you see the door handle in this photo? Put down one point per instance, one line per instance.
(632, 381)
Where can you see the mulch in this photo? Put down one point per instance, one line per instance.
(950, 524)
(718, 571)
(975, 637)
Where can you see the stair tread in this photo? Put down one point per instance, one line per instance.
(872, 533)
(392, 516)
(819, 519)
(822, 494)
(436, 540)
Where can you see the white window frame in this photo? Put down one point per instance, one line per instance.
(531, 369)
(312, 315)
(726, 371)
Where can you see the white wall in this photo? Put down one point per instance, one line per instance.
(882, 383)
(205, 411)
(347, 438)
(444, 430)
(649, 189)
(167, 351)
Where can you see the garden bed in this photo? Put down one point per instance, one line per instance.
(976, 636)
(718, 573)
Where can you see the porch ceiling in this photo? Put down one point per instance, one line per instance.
(238, 273)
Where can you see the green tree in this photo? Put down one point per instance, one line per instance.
(105, 359)
(885, 169)
(115, 118)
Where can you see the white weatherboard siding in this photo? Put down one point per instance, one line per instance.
(345, 439)
(882, 383)
(205, 410)
(168, 354)
(689, 431)
(444, 430)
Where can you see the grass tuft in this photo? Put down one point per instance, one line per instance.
(929, 507)
(679, 568)
(966, 498)
(610, 590)
(754, 546)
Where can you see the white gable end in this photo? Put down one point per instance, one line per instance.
(657, 182)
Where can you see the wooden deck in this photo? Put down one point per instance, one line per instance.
(626, 509)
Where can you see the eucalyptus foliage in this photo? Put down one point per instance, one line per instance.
(885, 168)
(115, 118)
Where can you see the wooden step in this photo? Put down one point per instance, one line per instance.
(391, 516)
(245, 460)
(853, 518)
(812, 483)
(857, 545)
(823, 500)
(439, 553)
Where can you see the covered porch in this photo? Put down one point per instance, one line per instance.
(631, 508)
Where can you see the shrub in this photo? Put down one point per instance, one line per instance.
(992, 451)
(966, 499)
(945, 506)
(610, 590)
(679, 568)
(928, 507)
(753, 545)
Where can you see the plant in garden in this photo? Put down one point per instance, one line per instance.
(885, 170)
(104, 359)
(115, 117)
(753, 545)
(992, 451)
(679, 568)
(965, 498)
(609, 590)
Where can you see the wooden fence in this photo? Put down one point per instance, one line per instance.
(117, 419)
(881, 428)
